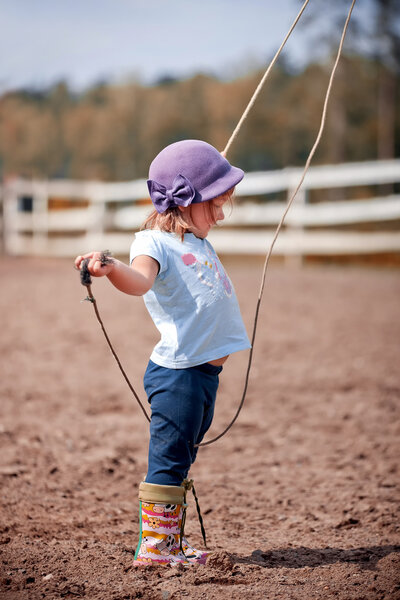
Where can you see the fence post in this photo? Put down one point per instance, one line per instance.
(40, 226)
(297, 259)
(10, 217)
(2, 226)
(97, 216)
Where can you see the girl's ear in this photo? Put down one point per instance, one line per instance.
(182, 208)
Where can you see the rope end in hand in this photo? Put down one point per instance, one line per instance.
(86, 278)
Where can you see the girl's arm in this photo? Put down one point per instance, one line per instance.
(135, 280)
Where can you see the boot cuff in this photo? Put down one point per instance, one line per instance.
(168, 494)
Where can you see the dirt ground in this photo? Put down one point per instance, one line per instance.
(300, 499)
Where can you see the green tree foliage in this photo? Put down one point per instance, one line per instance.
(113, 132)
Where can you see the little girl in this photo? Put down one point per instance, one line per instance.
(193, 305)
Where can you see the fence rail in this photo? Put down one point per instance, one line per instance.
(63, 218)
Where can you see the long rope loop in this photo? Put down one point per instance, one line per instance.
(85, 275)
(106, 256)
(289, 204)
(87, 281)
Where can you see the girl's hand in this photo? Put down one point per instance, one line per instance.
(96, 267)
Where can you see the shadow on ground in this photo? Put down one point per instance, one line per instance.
(297, 558)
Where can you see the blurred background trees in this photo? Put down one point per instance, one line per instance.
(113, 132)
(377, 39)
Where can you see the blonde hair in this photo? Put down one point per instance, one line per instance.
(174, 220)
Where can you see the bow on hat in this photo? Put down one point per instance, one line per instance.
(181, 193)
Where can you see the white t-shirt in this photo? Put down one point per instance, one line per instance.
(192, 301)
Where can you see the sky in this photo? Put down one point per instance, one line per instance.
(88, 41)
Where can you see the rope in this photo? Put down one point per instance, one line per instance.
(290, 202)
(188, 484)
(261, 84)
(85, 275)
(86, 281)
(105, 255)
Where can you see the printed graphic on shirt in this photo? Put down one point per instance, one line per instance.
(210, 272)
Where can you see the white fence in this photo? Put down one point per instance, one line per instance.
(64, 218)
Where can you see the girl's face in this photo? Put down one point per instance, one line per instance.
(206, 214)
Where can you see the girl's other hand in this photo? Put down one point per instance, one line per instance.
(95, 266)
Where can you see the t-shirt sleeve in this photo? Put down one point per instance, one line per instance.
(145, 244)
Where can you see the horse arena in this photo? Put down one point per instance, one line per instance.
(300, 499)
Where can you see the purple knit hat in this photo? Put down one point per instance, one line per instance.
(189, 172)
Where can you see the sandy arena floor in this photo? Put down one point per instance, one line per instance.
(300, 499)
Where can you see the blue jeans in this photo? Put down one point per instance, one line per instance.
(182, 408)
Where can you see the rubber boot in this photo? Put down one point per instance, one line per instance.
(161, 510)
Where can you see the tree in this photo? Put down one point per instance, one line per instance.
(375, 33)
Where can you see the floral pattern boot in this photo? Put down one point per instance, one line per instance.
(161, 509)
